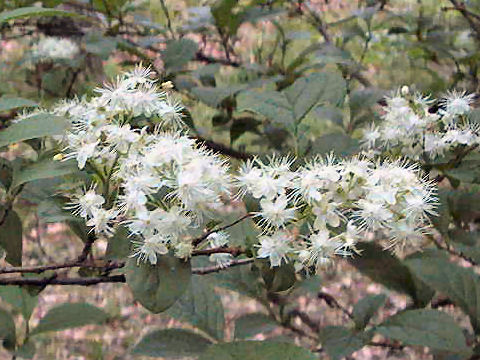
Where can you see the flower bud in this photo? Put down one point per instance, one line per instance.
(405, 90)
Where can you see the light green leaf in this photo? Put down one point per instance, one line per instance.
(35, 126)
(256, 350)
(339, 341)
(366, 308)
(213, 96)
(12, 103)
(43, 169)
(431, 328)
(171, 343)
(157, 287)
(11, 237)
(178, 53)
(70, 315)
(461, 285)
(7, 330)
(249, 325)
(200, 307)
(32, 11)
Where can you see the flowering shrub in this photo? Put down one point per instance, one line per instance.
(256, 151)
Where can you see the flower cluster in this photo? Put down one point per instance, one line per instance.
(410, 129)
(340, 202)
(164, 188)
(156, 182)
(54, 48)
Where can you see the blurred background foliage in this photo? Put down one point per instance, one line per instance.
(257, 77)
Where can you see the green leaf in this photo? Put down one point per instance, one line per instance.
(256, 350)
(366, 308)
(213, 96)
(26, 350)
(171, 343)
(43, 169)
(157, 287)
(245, 280)
(425, 327)
(70, 315)
(224, 16)
(7, 330)
(6, 173)
(278, 278)
(13, 103)
(461, 285)
(11, 237)
(118, 246)
(35, 126)
(20, 299)
(339, 342)
(292, 104)
(249, 325)
(201, 307)
(178, 53)
(339, 143)
(383, 267)
(32, 11)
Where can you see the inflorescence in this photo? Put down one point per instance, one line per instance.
(164, 187)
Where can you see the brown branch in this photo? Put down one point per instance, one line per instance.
(224, 150)
(72, 264)
(235, 251)
(87, 248)
(53, 280)
(471, 18)
(208, 233)
(217, 268)
(333, 303)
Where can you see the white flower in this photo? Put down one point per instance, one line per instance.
(84, 205)
(218, 239)
(274, 213)
(320, 251)
(54, 48)
(101, 221)
(457, 102)
(150, 248)
(276, 247)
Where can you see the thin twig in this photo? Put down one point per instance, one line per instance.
(208, 233)
(218, 268)
(333, 303)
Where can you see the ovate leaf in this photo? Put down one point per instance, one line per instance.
(35, 126)
(7, 330)
(178, 53)
(340, 341)
(461, 285)
(430, 328)
(13, 103)
(11, 236)
(158, 286)
(70, 315)
(20, 299)
(249, 325)
(256, 350)
(366, 308)
(43, 169)
(32, 11)
(200, 307)
(171, 343)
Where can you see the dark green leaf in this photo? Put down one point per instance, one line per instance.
(256, 350)
(70, 315)
(366, 308)
(178, 53)
(7, 330)
(11, 237)
(118, 245)
(171, 343)
(20, 299)
(200, 307)
(278, 278)
(339, 341)
(383, 267)
(35, 126)
(26, 350)
(249, 325)
(461, 285)
(430, 328)
(157, 287)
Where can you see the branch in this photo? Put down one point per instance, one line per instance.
(235, 251)
(208, 233)
(53, 280)
(468, 15)
(224, 150)
(71, 264)
(333, 303)
(453, 252)
(217, 268)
